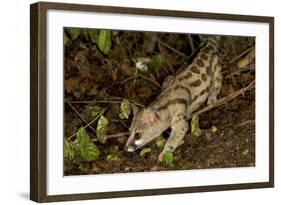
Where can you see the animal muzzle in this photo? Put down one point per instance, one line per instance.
(130, 147)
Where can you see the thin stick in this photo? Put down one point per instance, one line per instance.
(227, 98)
(131, 101)
(121, 134)
(94, 101)
(191, 42)
(150, 80)
(79, 115)
(87, 125)
(143, 77)
(128, 79)
(104, 101)
(164, 54)
(245, 123)
(247, 59)
(240, 55)
(171, 48)
(250, 68)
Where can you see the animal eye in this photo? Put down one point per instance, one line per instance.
(137, 136)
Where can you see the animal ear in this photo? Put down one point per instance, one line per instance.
(151, 115)
(135, 109)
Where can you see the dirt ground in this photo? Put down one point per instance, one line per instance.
(94, 77)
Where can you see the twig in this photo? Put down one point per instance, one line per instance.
(164, 54)
(104, 101)
(245, 123)
(190, 42)
(93, 101)
(143, 77)
(121, 134)
(250, 68)
(227, 98)
(247, 59)
(131, 101)
(240, 55)
(171, 48)
(128, 79)
(79, 115)
(150, 80)
(87, 125)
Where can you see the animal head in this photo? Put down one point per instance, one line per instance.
(145, 126)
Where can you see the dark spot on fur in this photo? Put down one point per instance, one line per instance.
(195, 97)
(180, 117)
(212, 43)
(203, 92)
(209, 71)
(204, 76)
(187, 76)
(204, 56)
(196, 83)
(215, 67)
(181, 87)
(206, 49)
(181, 101)
(218, 79)
(194, 69)
(200, 62)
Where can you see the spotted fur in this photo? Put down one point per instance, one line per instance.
(181, 95)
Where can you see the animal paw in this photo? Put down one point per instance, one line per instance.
(212, 100)
(160, 157)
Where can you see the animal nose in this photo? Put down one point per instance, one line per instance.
(129, 148)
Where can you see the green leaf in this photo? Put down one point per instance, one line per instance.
(114, 150)
(168, 158)
(157, 62)
(104, 41)
(94, 35)
(66, 40)
(195, 129)
(113, 154)
(102, 129)
(145, 151)
(112, 158)
(92, 111)
(125, 109)
(88, 150)
(68, 149)
(160, 141)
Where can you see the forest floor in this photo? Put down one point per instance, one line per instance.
(96, 78)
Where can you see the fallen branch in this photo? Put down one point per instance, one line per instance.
(112, 136)
(227, 98)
